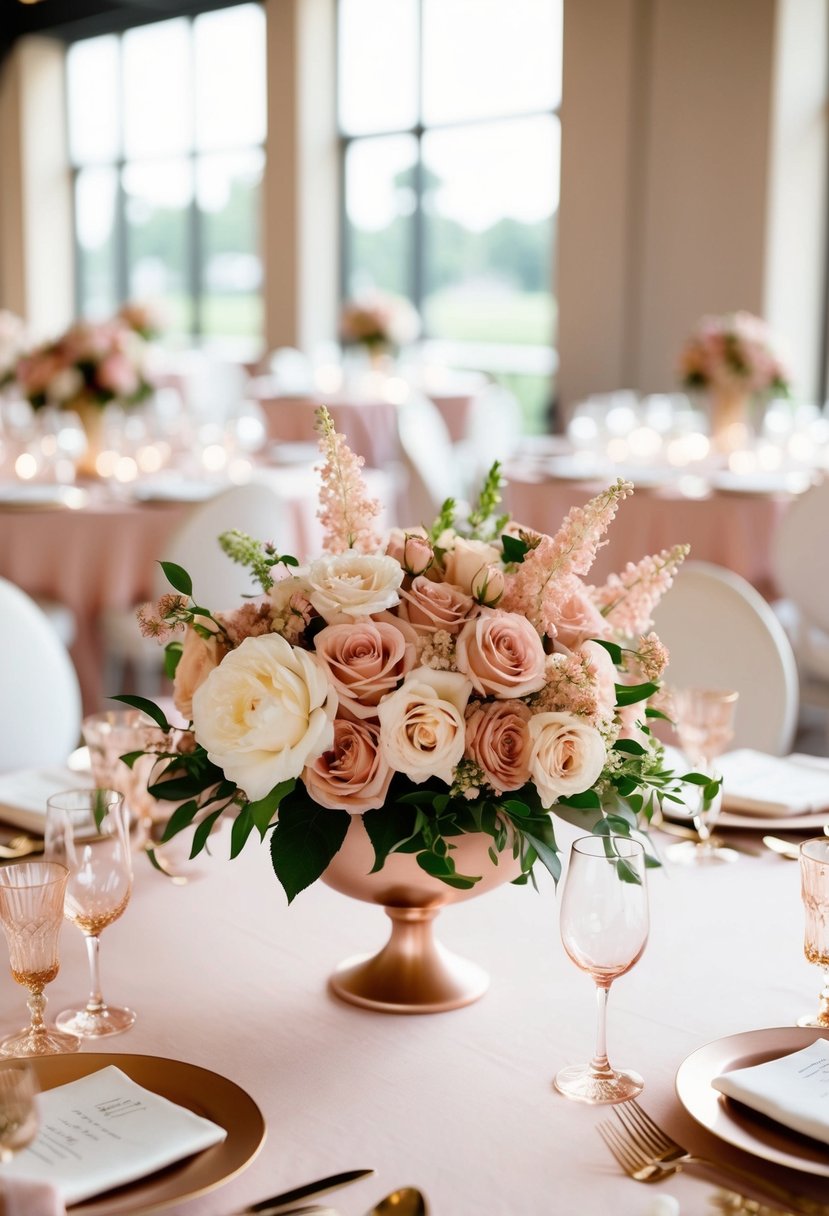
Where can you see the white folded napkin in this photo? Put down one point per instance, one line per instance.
(759, 784)
(104, 1130)
(793, 1090)
(23, 794)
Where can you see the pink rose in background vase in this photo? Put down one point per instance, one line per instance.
(428, 605)
(117, 375)
(498, 740)
(502, 654)
(366, 660)
(353, 775)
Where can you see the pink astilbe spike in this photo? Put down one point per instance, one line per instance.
(536, 587)
(346, 511)
(627, 600)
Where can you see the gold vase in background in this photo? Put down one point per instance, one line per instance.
(729, 418)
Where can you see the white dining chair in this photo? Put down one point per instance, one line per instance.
(40, 698)
(720, 632)
(432, 470)
(218, 582)
(493, 432)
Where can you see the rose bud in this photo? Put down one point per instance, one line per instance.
(418, 554)
(488, 585)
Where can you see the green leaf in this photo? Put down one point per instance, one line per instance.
(629, 746)
(389, 827)
(514, 549)
(618, 825)
(203, 831)
(178, 578)
(627, 872)
(547, 855)
(588, 800)
(629, 694)
(612, 648)
(172, 656)
(519, 809)
(153, 859)
(650, 712)
(695, 778)
(148, 707)
(303, 843)
(444, 869)
(129, 758)
(180, 819)
(264, 810)
(243, 825)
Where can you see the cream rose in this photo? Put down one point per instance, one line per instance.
(199, 657)
(365, 660)
(422, 730)
(578, 618)
(264, 713)
(498, 740)
(502, 655)
(567, 755)
(353, 584)
(353, 776)
(428, 605)
(465, 559)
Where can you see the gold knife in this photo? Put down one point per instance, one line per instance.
(272, 1206)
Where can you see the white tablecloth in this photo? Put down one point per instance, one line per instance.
(224, 975)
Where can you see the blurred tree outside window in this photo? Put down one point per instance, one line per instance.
(166, 136)
(448, 113)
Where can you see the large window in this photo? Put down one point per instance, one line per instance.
(450, 135)
(166, 135)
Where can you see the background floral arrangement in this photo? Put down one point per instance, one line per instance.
(14, 339)
(733, 352)
(379, 322)
(91, 362)
(461, 678)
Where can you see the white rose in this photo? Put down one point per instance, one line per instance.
(567, 755)
(465, 559)
(264, 713)
(422, 729)
(353, 584)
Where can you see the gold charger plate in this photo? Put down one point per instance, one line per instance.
(732, 1121)
(205, 1093)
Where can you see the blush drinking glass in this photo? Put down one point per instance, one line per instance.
(814, 890)
(31, 913)
(604, 924)
(19, 1118)
(704, 724)
(87, 830)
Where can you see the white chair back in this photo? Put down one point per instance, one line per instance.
(218, 582)
(493, 432)
(721, 633)
(800, 560)
(433, 474)
(40, 699)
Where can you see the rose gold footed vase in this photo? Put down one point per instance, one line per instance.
(413, 973)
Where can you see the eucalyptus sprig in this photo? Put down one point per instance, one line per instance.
(259, 556)
(483, 513)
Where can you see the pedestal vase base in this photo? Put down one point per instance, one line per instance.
(412, 973)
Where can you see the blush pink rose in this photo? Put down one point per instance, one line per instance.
(578, 619)
(428, 605)
(353, 776)
(117, 375)
(502, 655)
(366, 659)
(498, 740)
(199, 657)
(601, 668)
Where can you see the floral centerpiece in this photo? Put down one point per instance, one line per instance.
(14, 339)
(459, 678)
(379, 323)
(734, 359)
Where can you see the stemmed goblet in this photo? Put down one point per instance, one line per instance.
(604, 923)
(88, 831)
(704, 723)
(814, 890)
(31, 913)
(19, 1119)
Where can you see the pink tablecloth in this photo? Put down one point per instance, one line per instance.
(369, 426)
(732, 530)
(221, 973)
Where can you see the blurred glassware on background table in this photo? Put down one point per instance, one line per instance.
(814, 877)
(704, 724)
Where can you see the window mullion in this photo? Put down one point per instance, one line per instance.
(196, 234)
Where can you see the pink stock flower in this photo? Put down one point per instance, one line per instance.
(346, 511)
(627, 600)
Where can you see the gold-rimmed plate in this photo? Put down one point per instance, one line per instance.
(732, 1121)
(199, 1090)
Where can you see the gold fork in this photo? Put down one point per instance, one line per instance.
(646, 1153)
(20, 846)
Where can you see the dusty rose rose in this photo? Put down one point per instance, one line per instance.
(567, 757)
(366, 660)
(117, 375)
(578, 619)
(488, 585)
(428, 605)
(465, 559)
(604, 674)
(198, 658)
(353, 776)
(498, 740)
(502, 655)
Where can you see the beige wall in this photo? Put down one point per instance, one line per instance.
(671, 111)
